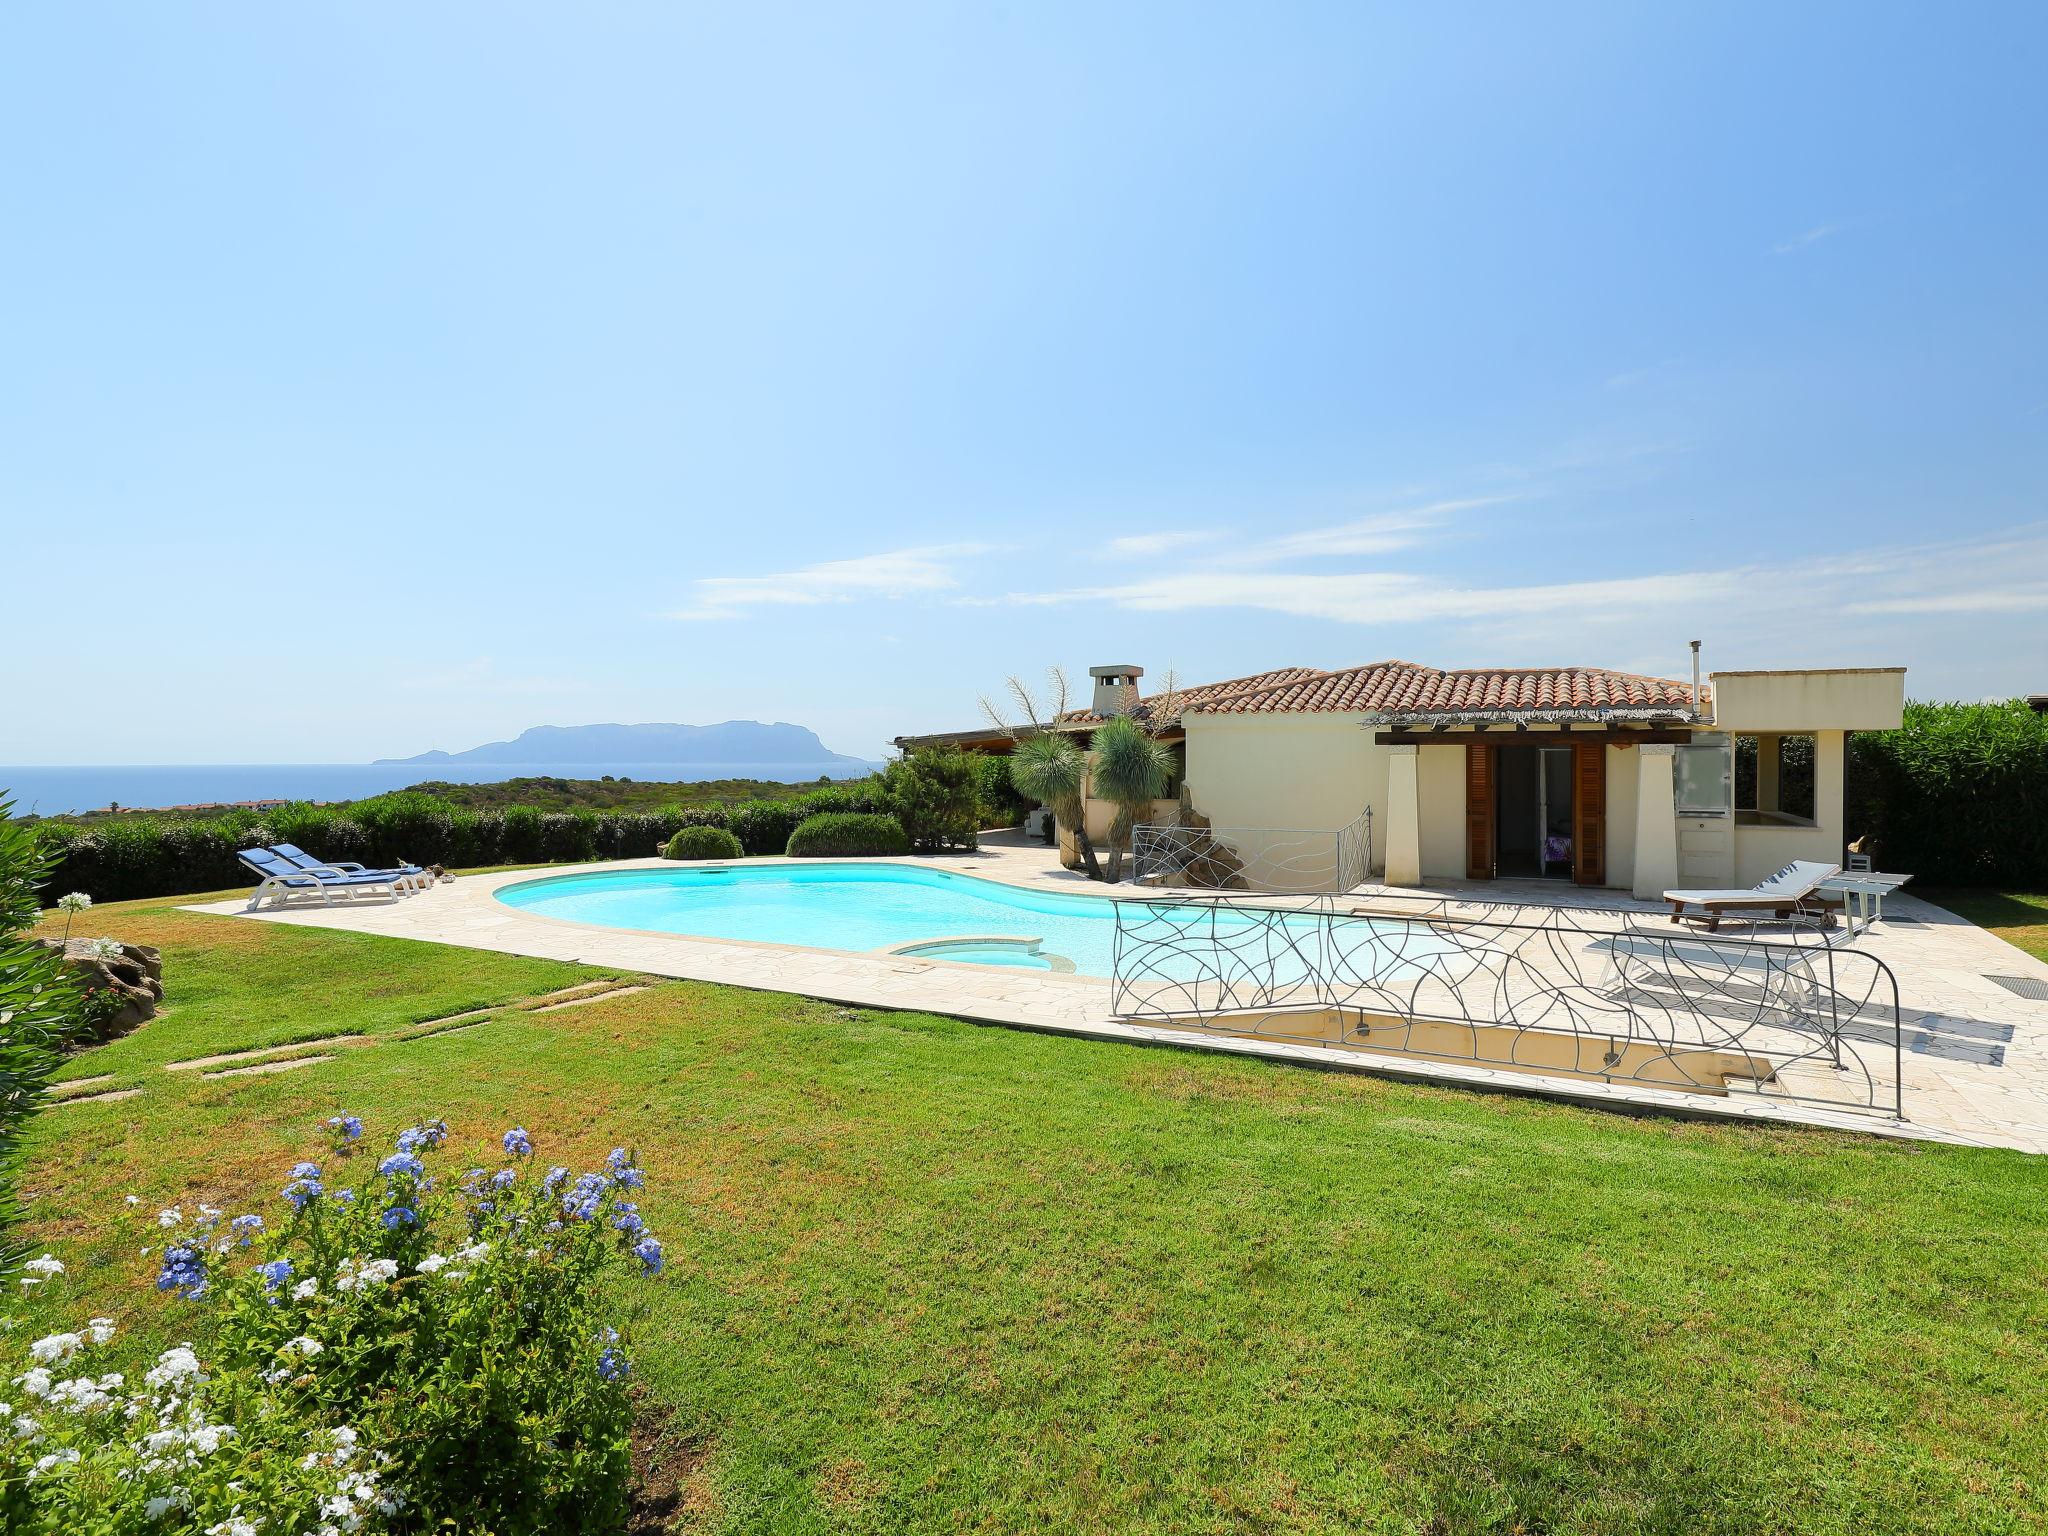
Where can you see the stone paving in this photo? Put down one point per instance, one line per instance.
(1975, 1054)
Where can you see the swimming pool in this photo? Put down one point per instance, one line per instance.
(864, 907)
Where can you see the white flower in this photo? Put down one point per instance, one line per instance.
(77, 901)
(36, 1382)
(135, 1199)
(55, 1346)
(432, 1262)
(233, 1526)
(174, 1366)
(54, 1459)
(208, 1438)
(168, 1218)
(160, 1505)
(26, 1427)
(99, 1329)
(349, 1276)
(304, 1344)
(104, 949)
(45, 1266)
(305, 1289)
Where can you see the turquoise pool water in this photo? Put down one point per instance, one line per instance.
(881, 906)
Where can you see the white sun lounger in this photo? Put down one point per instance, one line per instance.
(1781, 895)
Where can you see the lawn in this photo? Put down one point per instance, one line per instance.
(2020, 919)
(931, 1276)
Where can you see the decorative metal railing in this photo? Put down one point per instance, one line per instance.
(1581, 992)
(1253, 859)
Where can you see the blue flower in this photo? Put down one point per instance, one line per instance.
(345, 1128)
(504, 1179)
(612, 1365)
(344, 1195)
(554, 1178)
(275, 1273)
(628, 1219)
(648, 1252)
(303, 1192)
(518, 1143)
(431, 1134)
(245, 1229)
(401, 1165)
(585, 1197)
(304, 1171)
(184, 1271)
(631, 1178)
(399, 1216)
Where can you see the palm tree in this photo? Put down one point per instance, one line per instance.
(1047, 765)
(1131, 770)
(1051, 769)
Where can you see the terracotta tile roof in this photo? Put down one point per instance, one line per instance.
(1206, 696)
(1404, 688)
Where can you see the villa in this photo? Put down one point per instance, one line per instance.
(1581, 774)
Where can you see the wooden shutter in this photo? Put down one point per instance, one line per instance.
(1478, 811)
(1589, 813)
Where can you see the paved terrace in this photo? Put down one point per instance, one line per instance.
(1975, 1059)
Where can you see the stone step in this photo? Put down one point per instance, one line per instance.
(264, 1067)
(594, 997)
(201, 1063)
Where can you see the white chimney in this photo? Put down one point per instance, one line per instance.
(1695, 677)
(1116, 689)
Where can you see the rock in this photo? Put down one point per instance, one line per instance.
(137, 978)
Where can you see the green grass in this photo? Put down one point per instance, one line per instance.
(2018, 918)
(928, 1276)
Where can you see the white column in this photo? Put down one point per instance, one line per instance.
(1404, 817)
(1656, 820)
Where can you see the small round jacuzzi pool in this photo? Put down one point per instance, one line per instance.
(1025, 954)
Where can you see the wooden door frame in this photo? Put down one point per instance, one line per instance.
(1481, 791)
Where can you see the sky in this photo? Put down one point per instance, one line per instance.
(376, 378)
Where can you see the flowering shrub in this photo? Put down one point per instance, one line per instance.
(402, 1351)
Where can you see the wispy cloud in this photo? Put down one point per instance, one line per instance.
(1382, 533)
(893, 573)
(2006, 574)
(1160, 543)
(1813, 236)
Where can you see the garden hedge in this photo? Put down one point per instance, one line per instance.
(703, 843)
(848, 835)
(1957, 796)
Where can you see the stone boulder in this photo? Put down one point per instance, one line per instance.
(136, 977)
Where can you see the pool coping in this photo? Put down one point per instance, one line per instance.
(465, 912)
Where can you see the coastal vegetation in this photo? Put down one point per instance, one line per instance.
(915, 1266)
(940, 799)
(848, 835)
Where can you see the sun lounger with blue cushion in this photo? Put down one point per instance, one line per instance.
(409, 875)
(279, 880)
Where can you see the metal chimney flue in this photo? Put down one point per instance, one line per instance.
(1695, 676)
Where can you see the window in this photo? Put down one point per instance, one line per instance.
(1704, 776)
(1774, 779)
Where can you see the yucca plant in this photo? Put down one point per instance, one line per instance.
(1051, 769)
(1131, 770)
(1047, 765)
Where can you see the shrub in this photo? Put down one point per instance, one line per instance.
(39, 1005)
(847, 834)
(932, 793)
(1001, 804)
(428, 1355)
(1958, 795)
(703, 843)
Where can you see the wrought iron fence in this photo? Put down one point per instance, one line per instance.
(1573, 991)
(1253, 859)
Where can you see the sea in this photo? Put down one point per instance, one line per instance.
(56, 791)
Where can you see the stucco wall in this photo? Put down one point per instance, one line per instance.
(1763, 850)
(1292, 772)
(1440, 786)
(1623, 769)
(1848, 699)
